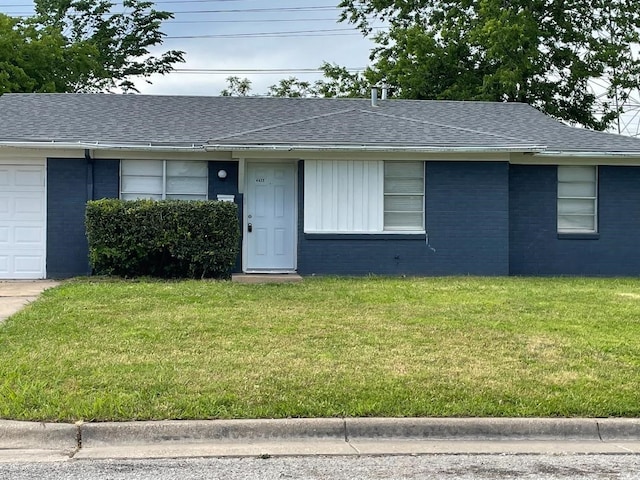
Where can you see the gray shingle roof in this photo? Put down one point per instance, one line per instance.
(253, 121)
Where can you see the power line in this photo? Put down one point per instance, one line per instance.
(295, 33)
(254, 71)
(271, 20)
(233, 10)
(155, 2)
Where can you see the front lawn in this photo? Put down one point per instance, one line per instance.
(121, 350)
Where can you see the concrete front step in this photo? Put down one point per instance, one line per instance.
(265, 277)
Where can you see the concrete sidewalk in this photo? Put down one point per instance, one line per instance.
(15, 294)
(332, 436)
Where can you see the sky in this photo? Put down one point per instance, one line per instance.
(262, 40)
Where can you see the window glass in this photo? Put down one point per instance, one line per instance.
(163, 179)
(577, 199)
(404, 196)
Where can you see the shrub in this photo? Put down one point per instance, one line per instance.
(169, 238)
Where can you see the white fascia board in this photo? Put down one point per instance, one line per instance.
(536, 149)
(103, 146)
(375, 148)
(562, 154)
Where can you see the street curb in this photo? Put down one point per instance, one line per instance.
(615, 429)
(193, 431)
(69, 437)
(42, 436)
(475, 428)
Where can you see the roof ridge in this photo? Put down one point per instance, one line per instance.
(426, 122)
(281, 124)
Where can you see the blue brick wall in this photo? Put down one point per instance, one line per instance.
(227, 186)
(106, 179)
(70, 183)
(537, 249)
(467, 215)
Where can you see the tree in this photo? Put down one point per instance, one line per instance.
(82, 46)
(237, 87)
(339, 82)
(293, 88)
(542, 52)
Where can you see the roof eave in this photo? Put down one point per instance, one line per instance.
(375, 148)
(45, 145)
(586, 154)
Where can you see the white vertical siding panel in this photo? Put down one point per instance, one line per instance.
(357, 169)
(343, 196)
(380, 196)
(326, 199)
(350, 194)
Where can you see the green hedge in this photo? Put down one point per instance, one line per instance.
(168, 239)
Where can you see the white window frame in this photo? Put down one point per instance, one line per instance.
(163, 194)
(347, 197)
(565, 197)
(388, 193)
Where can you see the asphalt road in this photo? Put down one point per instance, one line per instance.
(450, 467)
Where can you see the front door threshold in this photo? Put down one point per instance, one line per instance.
(266, 277)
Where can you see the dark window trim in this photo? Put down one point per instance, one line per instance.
(579, 236)
(366, 236)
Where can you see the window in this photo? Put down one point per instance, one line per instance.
(163, 179)
(577, 199)
(363, 196)
(404, 196)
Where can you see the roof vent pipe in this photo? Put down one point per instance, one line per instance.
(374, 96)
(385, 92)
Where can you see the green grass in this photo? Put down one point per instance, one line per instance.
(98, 350)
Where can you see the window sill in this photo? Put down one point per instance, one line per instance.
(366, 236)
(578, 236)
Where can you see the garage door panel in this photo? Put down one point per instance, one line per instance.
(29, 177)
(22, 207)
(28, 236)
(5, 204)
(22, 221)
(28, 205)
(27, 265)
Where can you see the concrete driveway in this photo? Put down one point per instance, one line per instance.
(15, 294)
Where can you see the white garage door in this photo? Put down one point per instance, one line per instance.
(22, 221)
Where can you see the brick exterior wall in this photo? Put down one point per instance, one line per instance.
(482, 218)
(227, 186)
(70, 183)
(467, 217)
(537, 249)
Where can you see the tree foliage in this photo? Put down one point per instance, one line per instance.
(337, 81)
(292, 87)
(542, 52)
(237, 87)
(82, 46)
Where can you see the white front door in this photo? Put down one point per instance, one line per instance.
(270, 226)
(22, 221)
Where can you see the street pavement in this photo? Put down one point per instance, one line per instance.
(450, 467)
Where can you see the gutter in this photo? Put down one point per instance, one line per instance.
(551, 153)
(374, 148)
(532, 149)
(103, 146)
